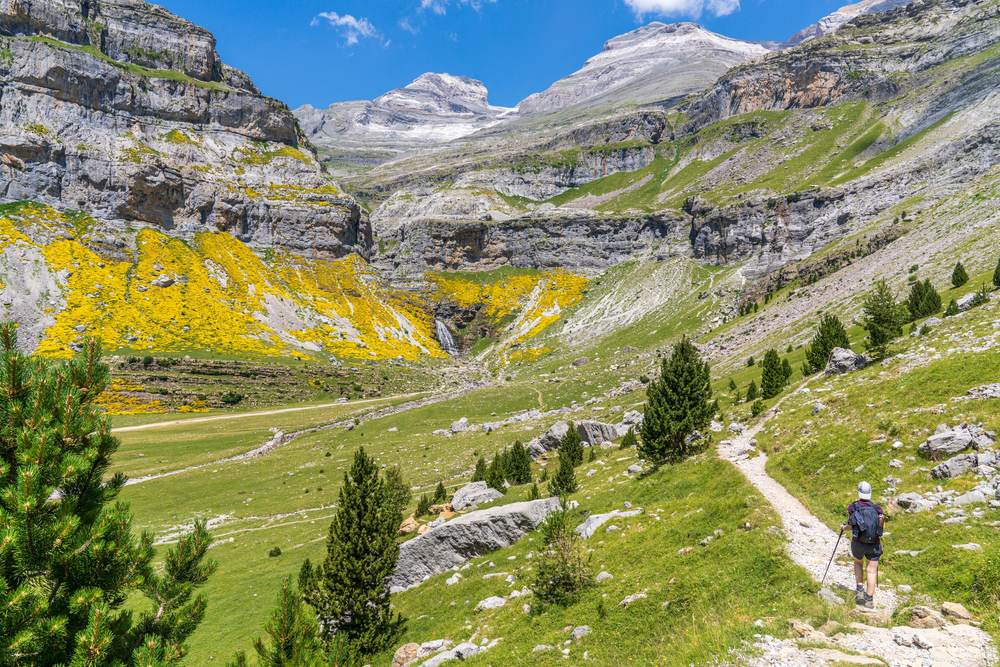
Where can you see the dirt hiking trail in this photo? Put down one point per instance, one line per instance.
(810, 544)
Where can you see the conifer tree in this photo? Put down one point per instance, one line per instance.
(564, 481)
(440, 493)
(752, 391)
(397, 491)
(952, 309)
(959, 276)
(772, 380)
(293, 635)
(923, 300)
(786, 370)
(629, 440)
(677, 403)
(996, 276)
(518, 464)
(571, 446)
(350, 591)
(496, 474)
(882, 318)
(732, 384)
(481, 469)
(423, 506)
(534, 493)
(68, 557)
(830, 334)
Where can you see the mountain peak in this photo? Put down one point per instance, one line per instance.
(831, 22)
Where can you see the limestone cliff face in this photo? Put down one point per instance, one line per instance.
(125, 111)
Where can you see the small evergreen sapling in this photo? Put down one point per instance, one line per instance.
(952, 309)
(772, 380)
(882, 318)
(564, 482)
(786, 370)
(752, 391)
(996, 276)
(440, 493)
(959, 276)
(293, 635)
(571, 446)
(629, 441)
(829, 335)
(480, 473)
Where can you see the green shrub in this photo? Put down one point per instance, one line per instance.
(757, 408)
(423, 506)
(959, 276)
(629, 441)
(147, 361)
(274, 552)
(561, 572)
(231, 398)
(952, 309)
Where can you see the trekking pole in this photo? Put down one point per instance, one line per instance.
(832, 555)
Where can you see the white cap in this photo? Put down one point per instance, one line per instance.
(865, 491)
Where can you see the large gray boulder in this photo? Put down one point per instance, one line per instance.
(465, 537)
(981, 494)
(914, 502)
(472, 494)
(955, 466)
(949, 441)
(594, 432)
(843, 360)
(549, 440)
(595, 521)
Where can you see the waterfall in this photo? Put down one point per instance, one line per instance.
(444, 337)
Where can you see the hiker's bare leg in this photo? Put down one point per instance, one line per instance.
(859, 568)
(872, 576)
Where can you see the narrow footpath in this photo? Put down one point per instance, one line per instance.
(810, 544)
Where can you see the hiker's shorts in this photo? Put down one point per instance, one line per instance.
(861, 550)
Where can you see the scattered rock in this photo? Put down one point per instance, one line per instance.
(634, 469)
(603, 576)
(985, 392)
(460, 652)
(408, 526)
(632, 598)
(405, 654)
(461, 425)
(549, 440)
(162, 280)
(472, 494)
(955, 610)
(737, 427)
(453, 579)
(492, 603)
(971, 546)
(949, 441)
(595, 521)
(829, 597)
(580, 361)
(926, 618)
(914, 502)
(955, 466)
(843, 360)
(580, 632)
(467, 536)
(541, 647)
(818, 408)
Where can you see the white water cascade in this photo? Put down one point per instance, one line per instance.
(444, 337)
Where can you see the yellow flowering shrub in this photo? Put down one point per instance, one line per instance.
(215, 294)
(118, 399)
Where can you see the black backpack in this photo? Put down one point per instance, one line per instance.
(867, 527)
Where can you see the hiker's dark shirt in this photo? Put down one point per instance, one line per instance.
(852, 522)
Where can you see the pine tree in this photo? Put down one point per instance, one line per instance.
(440, 493)
(564, 482)
(496, 474)
(786, 370)
(629, 440)
(996, 276)
(480, 473)
(68, 558)
(952, 309)
(518, 464)
(571, 446)
(772, 380)
(752, 391)
(397, 491)
(351, 590)
(677, 403)
(882, 318)
(829, 335)
(293, 633)
(534, 493)
(423, 506)
(923, 300)
(732, 384)
(959, 277)
(593, 455)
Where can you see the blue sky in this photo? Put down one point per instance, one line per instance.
(325, 51)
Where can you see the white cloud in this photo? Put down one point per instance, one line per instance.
(405, 24)
(441, 6)
(693, 8)
(350, 28)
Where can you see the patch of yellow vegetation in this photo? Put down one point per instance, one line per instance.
(536, 300)
(214, 294)
(117, 399)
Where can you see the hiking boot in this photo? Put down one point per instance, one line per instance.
(869, 602)
(859, 589)
(860, 596)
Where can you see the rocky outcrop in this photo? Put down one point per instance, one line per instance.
(949, 441)
(831, 22)
(472, 494)
(843, 360)
(465, 537)
(593, 433)
(155, 129)
(548, 441)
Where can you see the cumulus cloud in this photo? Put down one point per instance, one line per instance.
(693, 8)
(441, 6)
(350, 28)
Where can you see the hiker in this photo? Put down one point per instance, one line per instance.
(867, 523)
